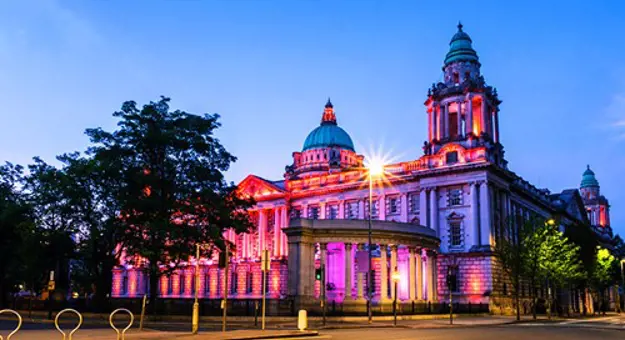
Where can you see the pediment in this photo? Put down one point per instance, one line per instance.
(259, 188)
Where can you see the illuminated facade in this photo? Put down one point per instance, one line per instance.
(447, 207)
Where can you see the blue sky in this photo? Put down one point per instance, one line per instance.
(268, 67)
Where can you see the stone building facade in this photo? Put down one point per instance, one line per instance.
(447, 207)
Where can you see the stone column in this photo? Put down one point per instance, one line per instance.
(430, 125)
(382, 206)
(484, 117)
(411, 274)
(446, 121)
(359, 279)
(496, 120)
(475, 217)
(429, 276)
(341, 210)
(383, 273)
(434, 211)
(459, 117)
(361, 209)
(469, 115)
(438, 121)
(423, 208)
(348, 271)
(485, 224)
(301, 271)
(277, 242)
(435, 276)
(285, 224)
(262, 230)
(403, 214)
(322, 211)
(393, 268)
(419, 265)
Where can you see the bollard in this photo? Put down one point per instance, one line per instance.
(121, 335)
(56, 323)
(302, 320)
(19, 322)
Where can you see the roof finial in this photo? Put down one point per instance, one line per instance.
(328, 114)
(459, 26)
(587, 166)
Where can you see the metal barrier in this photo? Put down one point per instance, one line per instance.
(120, 335)
(56, 323)
(19, 322)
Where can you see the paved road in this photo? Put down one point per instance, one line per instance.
(509, 332)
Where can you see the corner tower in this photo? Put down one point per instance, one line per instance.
(597, 206)
(463, 111)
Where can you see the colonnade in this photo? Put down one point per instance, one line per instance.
(417, 272)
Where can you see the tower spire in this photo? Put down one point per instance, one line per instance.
(459, 26)
(328, 114)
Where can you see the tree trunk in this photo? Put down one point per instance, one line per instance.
(518, 302)
(533, 292)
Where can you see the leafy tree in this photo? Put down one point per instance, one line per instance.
(45, 188)
(15, 228)
(605, 273)
(558, 259)
(586, 239)
(92, 195)
(174, 194)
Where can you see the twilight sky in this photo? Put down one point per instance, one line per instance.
(268, 67)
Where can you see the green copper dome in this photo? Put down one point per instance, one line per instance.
(460, 48)
(328, 134)
(588, 178)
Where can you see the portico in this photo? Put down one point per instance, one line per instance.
(340, 247)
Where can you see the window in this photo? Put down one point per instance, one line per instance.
(192, 279)
(250, 283)
(393, 206)
(124, 289)
(451, 157)
(207, 284)
(374, 209)
(414, 202)
(467, 75)
(352, 210)
(455, 234)
(313, 212)
(234, 283)
(455, 197)
(170, 285)
(332, 212)
(295, 213)
(456, 78)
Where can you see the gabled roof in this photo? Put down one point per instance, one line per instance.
(570, 202)
(260, 188)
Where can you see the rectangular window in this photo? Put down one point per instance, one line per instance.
(455, 197)
(451, 157)
(332, 211)
(393, 206)
(414, 202)
(351, 210)
(455, 234)
(296, 213)
(313, 212)
(207, 284)
(374, 209)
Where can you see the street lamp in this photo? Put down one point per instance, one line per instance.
(395, 277)
(376, 168)
(195, 320)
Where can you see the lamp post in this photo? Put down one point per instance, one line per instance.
(375, 168)
(195, 320)
(395, 277)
